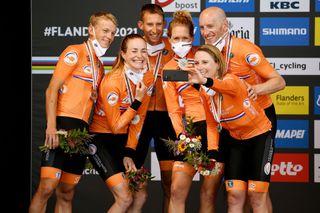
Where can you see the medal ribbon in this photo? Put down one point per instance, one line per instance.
(228, 50)
(94, 71)
(216, 112)
(129, 89)
(156, 67)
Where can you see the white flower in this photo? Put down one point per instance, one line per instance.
(194, 140)
(182, 137)
(191, 145)
(205, 173)
(62, 132)
(188, 140)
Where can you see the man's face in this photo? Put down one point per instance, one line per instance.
(211, 27)
(152, 26)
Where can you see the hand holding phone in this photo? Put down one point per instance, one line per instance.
(175, 75)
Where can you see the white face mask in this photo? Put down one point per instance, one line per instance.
(181, 48)
(221, 41)
(154, 49)
(135, 77)
(99, 50)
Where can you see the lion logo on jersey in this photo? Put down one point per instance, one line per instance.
(112, 98)
(71, 58)
(253, 59)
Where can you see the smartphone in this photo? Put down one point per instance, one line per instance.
(175, 75)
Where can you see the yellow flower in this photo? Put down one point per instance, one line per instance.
(182, 147)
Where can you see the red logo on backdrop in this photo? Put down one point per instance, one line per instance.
(290, 168)
(163, 3)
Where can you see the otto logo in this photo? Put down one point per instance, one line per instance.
(290, 168)
(287, 168)
(284, 5)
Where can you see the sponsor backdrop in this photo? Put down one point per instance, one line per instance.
(288, 33)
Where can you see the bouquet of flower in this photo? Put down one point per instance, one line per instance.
(189, 146)
(137, 178)
(206, 166)
(72, 141)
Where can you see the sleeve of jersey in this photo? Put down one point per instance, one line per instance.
(67, 62)
(172, 101)
(137, 123)
(111, 103)
(229, 85)
(212, 132)
(257, 61)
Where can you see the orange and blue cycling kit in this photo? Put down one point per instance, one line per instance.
(248, 62)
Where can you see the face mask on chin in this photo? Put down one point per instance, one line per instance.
(98, 49)
(154, 49)
(181, 48)
(221, 41)
(135, 77)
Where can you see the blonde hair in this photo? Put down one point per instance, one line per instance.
(102, 15)
(217, 56)
(181, 17)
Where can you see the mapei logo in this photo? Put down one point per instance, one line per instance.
(284, 6)
(290, 168)
(174, 5)
(232, 5)
(196, 30)
(284, 31)
(292, 134)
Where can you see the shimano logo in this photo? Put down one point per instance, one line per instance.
(293, 133)
(284, 5)
(284, 31)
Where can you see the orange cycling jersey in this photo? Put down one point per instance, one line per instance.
(242, 117)
(192, 101)
(248, 62)
(189, 95)
(157, 101)
(113, 113)
(74, 69)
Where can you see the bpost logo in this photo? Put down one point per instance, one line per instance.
(232, 5)
(155, 169)
(174, 5)
(292, 134)
(296, 66)
(284, 31)
(293, 100)
(196, 31)
(317, 31)
(317, 134)
(285, 6)
(242, 27)
(316, 101)
(290, 168)
(317, 168)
